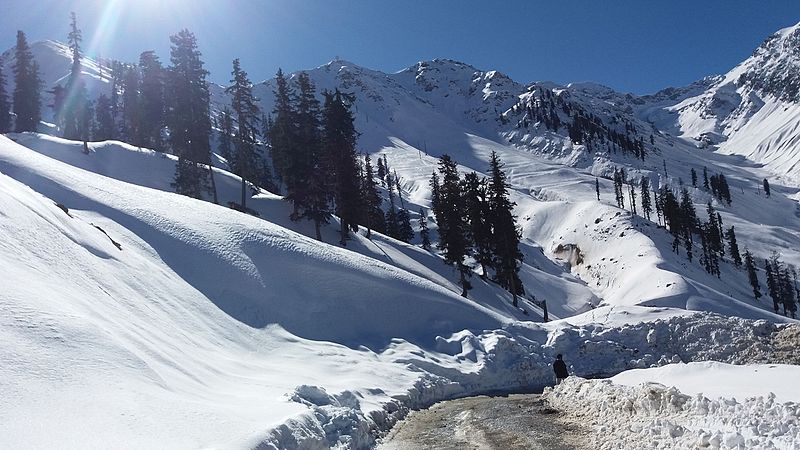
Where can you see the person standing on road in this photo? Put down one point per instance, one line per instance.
(560, 368)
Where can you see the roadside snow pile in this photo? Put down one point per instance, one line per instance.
(654, 416)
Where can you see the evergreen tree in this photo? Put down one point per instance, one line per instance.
(632, 197)
(597, 188)
(506, 233)
(246, 158)
(619, 180)
(373, 216)
(647, 205)
(694, 178)
(27, 87)
(381, 170)
(452, 224)
(705, 178)
(130, 109)
(311, 167)
(104, 121)
(424, 234)
(71, 107)
(435, 189)
(766, 187)
(392, 220)
(283, 138)
(478, 215)
(225, 126)
(152, 103)
(734, 248)
(339, 138)
(405, 231)
(188, 117)
(750, 266)
(5, 106)
(772, 283)
(713, 231)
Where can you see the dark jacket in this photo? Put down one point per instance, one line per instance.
(560, 369)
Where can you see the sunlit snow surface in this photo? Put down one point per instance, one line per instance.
(695, 405)
(182, 324)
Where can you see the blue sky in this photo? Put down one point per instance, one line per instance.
(638, 46)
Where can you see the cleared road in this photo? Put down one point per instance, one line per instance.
(484, 423)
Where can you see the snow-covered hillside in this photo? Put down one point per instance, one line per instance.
(750, 111)
(173, 322)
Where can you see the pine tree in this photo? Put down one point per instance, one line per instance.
(647, 205)
(339, 138)
(435, 189)
(392, 220)
(104, 121)
(424, 234)
(246, 158)
(452, 224)
(225, 126)
(713, 231)
(71, 108)
(381, 170)
(152, 103)
(373, 216)
(5, 106)
(694, 178)
(130, 109)
(734, 248)
(311, 166)
(750, 266)
(188, 117)
(632, 197)
(27, 87)
(283, 138)
(772, 283)
(477, 211)
(405, 231)
(597, 188)
(766, 187)
(705, 178)
(506, 233)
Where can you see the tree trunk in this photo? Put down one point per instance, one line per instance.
(244, 196)
(213, 183)
(463, 282)
(318, 230)
(343, 231)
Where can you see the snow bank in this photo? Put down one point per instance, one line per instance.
(655, 416)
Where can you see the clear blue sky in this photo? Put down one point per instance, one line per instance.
(631, 45)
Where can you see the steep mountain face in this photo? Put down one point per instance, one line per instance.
(750, 111)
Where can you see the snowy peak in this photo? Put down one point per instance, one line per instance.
(774, 68)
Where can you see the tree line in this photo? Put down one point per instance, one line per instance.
(475, 219)
(675, 211)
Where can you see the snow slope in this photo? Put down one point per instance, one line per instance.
(696, 405)
(444, 106)
(194, 332)
(750, 111)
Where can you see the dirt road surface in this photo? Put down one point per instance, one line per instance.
(487, 423)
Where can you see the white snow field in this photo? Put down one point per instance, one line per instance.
(195, 332)
(696, 405)
(134, 317)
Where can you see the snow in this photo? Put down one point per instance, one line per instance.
(172, 322)
(713, 379)
(695, 405)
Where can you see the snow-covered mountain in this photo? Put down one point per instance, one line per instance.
(171, 322)
(750, 111)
